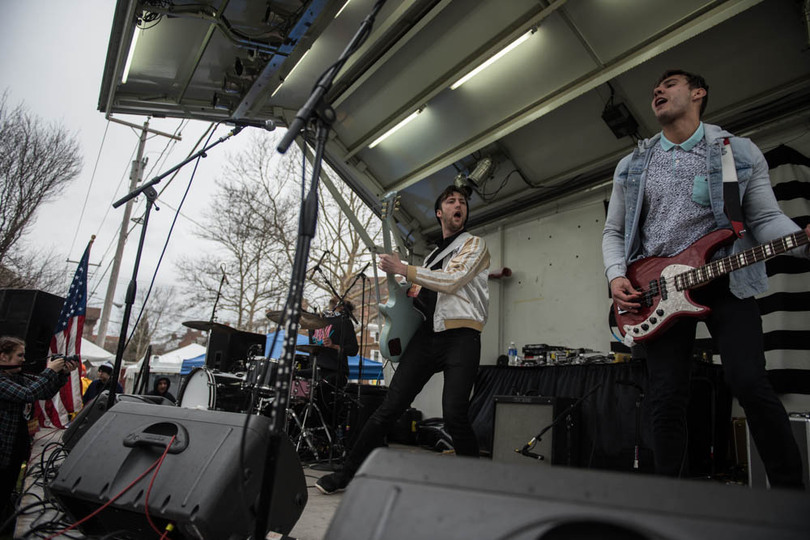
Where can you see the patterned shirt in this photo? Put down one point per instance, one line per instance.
(676, 210)
(17, 391)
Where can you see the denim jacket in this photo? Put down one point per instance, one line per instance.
(763, 220)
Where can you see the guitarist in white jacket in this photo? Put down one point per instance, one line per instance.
(666, 195)
(452, 294)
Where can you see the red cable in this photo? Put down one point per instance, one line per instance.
(149, 489)
(118, 495)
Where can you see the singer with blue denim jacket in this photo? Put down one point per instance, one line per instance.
(666, 195)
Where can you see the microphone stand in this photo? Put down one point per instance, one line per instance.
(565, 414)
(151, 195)
(318, 111)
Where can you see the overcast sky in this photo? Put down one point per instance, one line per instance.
(53, 59)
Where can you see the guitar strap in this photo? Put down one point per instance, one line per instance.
(460, 239)
(731, 189)
(413, 292)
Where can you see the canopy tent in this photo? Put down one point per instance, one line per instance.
(192, 363)
(278, 350)
(371, 370)
(94, 354)
(172, 361)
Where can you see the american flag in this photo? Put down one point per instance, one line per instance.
(67, 340)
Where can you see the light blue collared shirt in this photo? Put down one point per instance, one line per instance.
(686, 145)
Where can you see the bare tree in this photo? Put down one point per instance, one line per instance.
(37, 162)
(161, 310)
(255, 220)
(33, 269)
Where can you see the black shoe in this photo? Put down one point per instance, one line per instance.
(333, 483)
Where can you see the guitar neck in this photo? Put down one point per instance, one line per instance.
(715, 269)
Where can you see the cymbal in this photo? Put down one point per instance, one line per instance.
(312, 349)
(307, 321)
(207, 326)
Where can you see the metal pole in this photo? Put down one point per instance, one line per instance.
(135, 177)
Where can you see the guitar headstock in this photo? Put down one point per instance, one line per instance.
(389, 204)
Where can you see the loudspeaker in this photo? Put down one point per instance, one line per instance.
(207, 486)
(404, 495)
(519, 418)
(225, 349)
(757, 478)
(31, 316)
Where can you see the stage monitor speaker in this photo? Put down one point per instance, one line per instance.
(207, 486)
(31, 316)
(519, 418)
(225, 349)
(400, 495)
(757, 478)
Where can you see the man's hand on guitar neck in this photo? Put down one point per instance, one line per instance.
(624, 295)
(391, 264)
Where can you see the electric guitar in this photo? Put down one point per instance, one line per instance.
(400, 318)
(665, 282)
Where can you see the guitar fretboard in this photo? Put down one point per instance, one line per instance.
(720, 267)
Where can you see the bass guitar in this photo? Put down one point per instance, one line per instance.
(665, 283)
(400, 318)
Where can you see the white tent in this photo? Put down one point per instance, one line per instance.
(94, 354)
(172, 361)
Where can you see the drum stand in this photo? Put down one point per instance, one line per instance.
(310, 411)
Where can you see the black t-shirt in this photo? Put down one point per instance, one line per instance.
(338, 328)
(425, 301)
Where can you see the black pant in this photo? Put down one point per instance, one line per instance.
(10, 473)
(736, 327)
(457, 354)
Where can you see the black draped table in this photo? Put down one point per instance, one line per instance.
(607, 418)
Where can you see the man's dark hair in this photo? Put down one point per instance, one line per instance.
(693, 80)
(449, 190)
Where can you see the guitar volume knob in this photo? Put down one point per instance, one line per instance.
(659, 312)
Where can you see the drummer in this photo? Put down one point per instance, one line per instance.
(339, 340)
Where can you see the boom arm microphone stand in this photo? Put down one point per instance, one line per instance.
(317, 111)
(151, 195)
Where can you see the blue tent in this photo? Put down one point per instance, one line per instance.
(278, 350)
(371, 370)
(191, 363)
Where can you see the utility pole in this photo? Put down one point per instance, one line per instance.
(135, 177)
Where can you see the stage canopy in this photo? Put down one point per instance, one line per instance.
(566, 94)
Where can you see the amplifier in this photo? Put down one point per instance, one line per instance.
(519, 418)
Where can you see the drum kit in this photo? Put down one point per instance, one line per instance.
(250, 389)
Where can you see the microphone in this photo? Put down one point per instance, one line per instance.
(267, 125)
(362, 272)
(525, 452)
(318, 265)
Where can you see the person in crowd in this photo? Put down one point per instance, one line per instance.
(103, 382)
(667, 194)
(18, 392)
(161, 388)
(452, 293)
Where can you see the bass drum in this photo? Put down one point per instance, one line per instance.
(204, 389)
